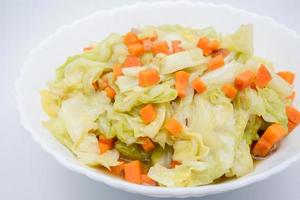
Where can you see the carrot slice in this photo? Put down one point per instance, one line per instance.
(132, 61)
(176, 46)
(147, 144)
(147, 180)
(117, 170)
(244, 80)
(136, 49)
(131, 38)
(117, 70)
(263, 76)
(181, 82)
(272, 135)
(293, 115)
(110, 92)
(199, 85)
(148, 77)
(215, 63)
(287, 76)
(173, 126)
(229, 90)
(161, 47)
(148, 113)
(133, 171)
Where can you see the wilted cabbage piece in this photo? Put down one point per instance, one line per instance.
(79, 114)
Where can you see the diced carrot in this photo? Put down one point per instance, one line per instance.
(291, 126)
(272, 135)
(136, 49)
(147, 180)
(117, 170)
(213, 45)
(148, 77)
(105, 144)
(107, 141)
(293, 115)
(173, 126)
(148, 113)
(208, 46)
(132, 61)
(199, 85)
(95, 85)
(244, 80)
(287, 76)
(181, 82)
(229, 90)
(215, 63)
(147, 44)
(221, 51)
(161, 47)
(147, 144)
(176, 46)
(103, 147)
(263, 76)
(174, 163)
(131, 38)
(292, 96)
(202, 44)
(110, 92)
(117, 70)
(133, 171)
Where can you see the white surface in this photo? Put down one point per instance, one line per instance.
(29, 173)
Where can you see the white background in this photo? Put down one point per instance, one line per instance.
(26, 172)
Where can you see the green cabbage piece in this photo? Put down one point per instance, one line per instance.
(86, 110)
(190, 148)
(240, 41)
(251, 131)
(57, 127)
(280, 86)
(133, 151)
(264, 102)
(182, 60)
(88, 153)
(162, 156)
(79, 76)
(189, 173)
(161, 93)
(225, 74)
(129, 126)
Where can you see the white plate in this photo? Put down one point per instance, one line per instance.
(272, 40)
